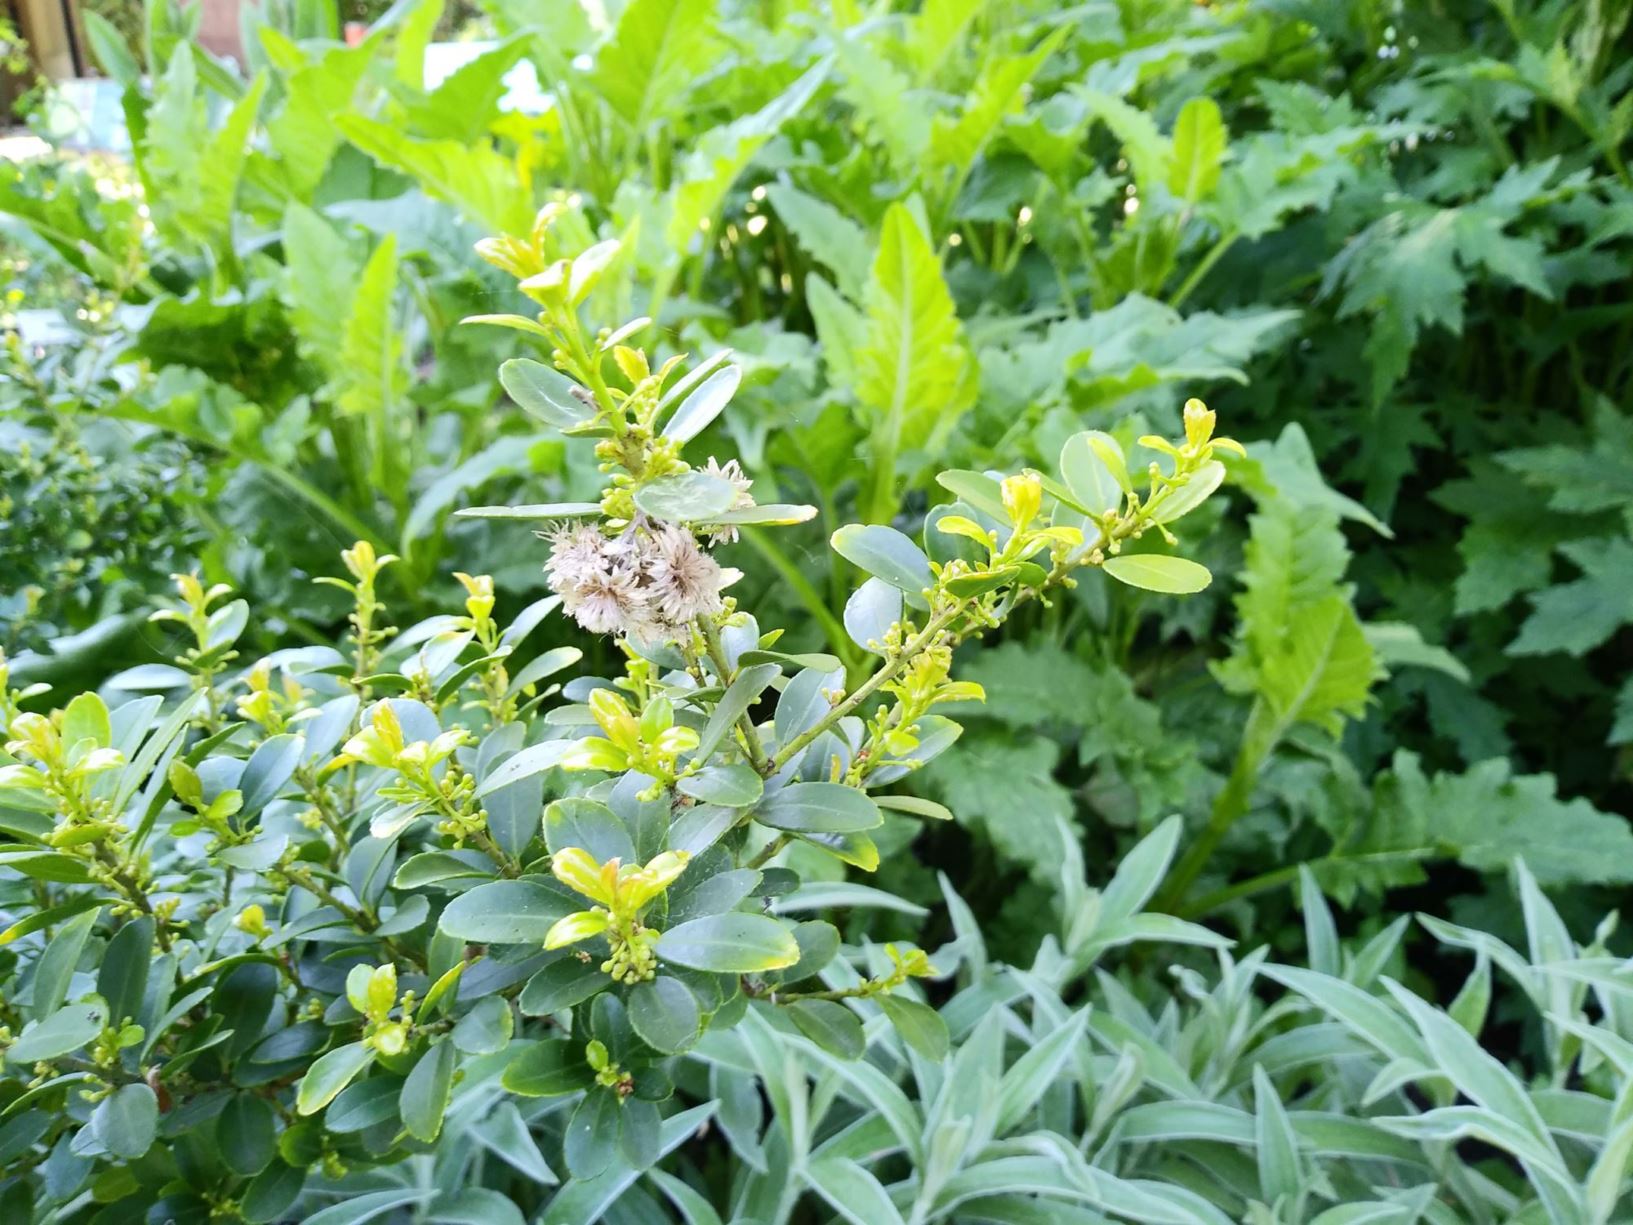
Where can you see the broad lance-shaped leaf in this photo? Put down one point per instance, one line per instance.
(1295, 558)
(302, 134)
(1301, 650)
(722, 154)
(223, 165)
(913, 371)
(371, 352)
(1149, 153)
(826, 233)
(1158, 572)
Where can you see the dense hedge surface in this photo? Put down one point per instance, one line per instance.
(851, 360)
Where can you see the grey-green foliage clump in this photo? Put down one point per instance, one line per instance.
(1262, 1092)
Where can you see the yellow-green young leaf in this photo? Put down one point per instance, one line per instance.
(1158, 572)
(358, 979)
(913, 371)
(575, 927)
(659, 49)
(371, 346)
(1147, 150)
(955, 143)
(1199, 148)
(732, 943)
(480, 182)
(223, 165)
(1178, 502)
(937, 31)
(441, 988)
(318, 88)
(86, 718)
(329, 1075)
(382, 991)
(320, 278)
(1324, 668)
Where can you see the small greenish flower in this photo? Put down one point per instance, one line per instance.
(607, 1073)
(651, 744)
(252, 921)
(373, 992)
(1022, 497)
(621, 892)
(268, 705)
(418, 787)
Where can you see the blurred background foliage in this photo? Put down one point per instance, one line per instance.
(1389, 242)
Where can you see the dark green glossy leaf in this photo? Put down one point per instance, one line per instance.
(821, 808)
(733, 943)
(830, 1025)
(425, 1093)
(665, 1014)
(549, 1069)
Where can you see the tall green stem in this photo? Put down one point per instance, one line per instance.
(1205, 266)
